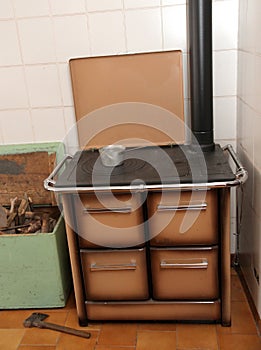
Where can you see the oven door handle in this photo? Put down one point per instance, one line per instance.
(113, 267)
(199, 206)
(121, 210)
(184, 264)
(49, 183)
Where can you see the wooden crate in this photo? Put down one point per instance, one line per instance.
(34, 268)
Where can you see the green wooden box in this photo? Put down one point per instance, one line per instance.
(34, 268)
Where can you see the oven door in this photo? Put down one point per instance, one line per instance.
(110, 220)
(185, 273)
(115, 274)
(183, 218)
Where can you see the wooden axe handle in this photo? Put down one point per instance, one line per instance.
(56, 327)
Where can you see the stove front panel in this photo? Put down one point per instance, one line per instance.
(185, 274)
(111, 221)
(183, 218)
(115, 275)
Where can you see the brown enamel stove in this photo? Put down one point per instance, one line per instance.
(154, 249)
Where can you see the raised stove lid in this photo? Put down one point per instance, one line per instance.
(129, 98)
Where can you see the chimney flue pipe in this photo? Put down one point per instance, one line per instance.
(201, 81)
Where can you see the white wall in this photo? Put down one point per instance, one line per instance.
(249, 141)
(38, 37)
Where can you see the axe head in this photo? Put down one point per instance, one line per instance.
(35, 318)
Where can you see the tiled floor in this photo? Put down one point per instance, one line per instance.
(242, 335)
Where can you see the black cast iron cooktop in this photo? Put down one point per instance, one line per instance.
(150, 165)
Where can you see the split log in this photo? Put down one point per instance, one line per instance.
(12, 212)
(45, 223)
(3, 217)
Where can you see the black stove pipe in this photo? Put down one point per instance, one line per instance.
(201, 81)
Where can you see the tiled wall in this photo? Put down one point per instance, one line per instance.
(38, 37)
(249, 141)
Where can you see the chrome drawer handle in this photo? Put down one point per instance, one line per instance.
(113, 267)
(202, 206)
(184, 264)
(123, 210)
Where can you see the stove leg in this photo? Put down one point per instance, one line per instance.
(225, 257)
(75, 262)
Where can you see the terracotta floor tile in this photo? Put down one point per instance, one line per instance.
(197, 337)
(239, 342)
(72, 321)
(237, 292)
(35, 336)
(35, 347)
(108, 347)
(157, 326)
(71, 342)
(13, 318)
(155, 340)
(120, 334)
(242, 320)
(10, 338)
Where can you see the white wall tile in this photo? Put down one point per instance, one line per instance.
(6, 9)
(13, 89)
(104, 5)
(173, 2)
(257, 37)
(48, 124)
(225, 73)
(70, 119)
(257, 141)
(16, 126)
(174, 27)
(71, 140)
(71, 37)
(252, 25)
(43, 86)
(247, 81)
(10, 53)
(140, 3)
(245, 125)
(107, 33)
(143, 29)
(186, 81)
(31, 8)
(242, 20)
(37, 40)
(62, 7)
(225, 24)
(66, 86)
(257, 84)
(225, 117)
(241, 74)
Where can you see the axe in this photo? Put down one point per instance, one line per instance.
(37, 320)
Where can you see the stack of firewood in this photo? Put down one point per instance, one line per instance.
(21, 218)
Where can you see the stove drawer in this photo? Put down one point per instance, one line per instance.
(185, 274)
(112, 221)
(186, 218)
(115, 275)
